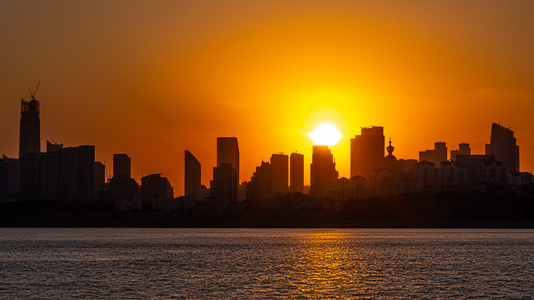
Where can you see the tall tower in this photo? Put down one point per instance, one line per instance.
(121, 165)
(192, 175)
(366, 151)
(280, 168)
(228, 152)
(296, 173)
(323, 172)
(224, 183)
(30, 126)
(504, 146)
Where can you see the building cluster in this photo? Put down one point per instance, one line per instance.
(58, 173)
(373, 174)
(72, 172)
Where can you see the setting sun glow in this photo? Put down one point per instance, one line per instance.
(325, 133)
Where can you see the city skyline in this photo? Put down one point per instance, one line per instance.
(151, 84)
(367, 159)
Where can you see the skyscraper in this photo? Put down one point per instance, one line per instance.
(366, 151)
(279, 163)
(504, 146)
(224, 183)
(228, 152)
(296, 173)
(261, 183)
(323, 172)
(30, 127)
(192, 175)
(121, 165)
(122, 186)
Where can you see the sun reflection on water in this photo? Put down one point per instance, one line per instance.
(327, 267)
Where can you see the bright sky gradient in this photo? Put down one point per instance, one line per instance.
(153, 78)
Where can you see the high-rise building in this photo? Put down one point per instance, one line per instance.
(13, 176)
(504, 146)
(224, 183)
(30, 127)
(463, 149)
(436, 155)
(121, 165)
(261, 183)
(366, 151)
(123, 188)
(228, 152)
(66, 174)
(279, 163)
(296, 173)
(323, 174)
(192, 175)
(100, 178)
(154, 187)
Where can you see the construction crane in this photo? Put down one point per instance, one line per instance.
(34, 92)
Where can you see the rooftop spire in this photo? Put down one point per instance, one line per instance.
(390, 148)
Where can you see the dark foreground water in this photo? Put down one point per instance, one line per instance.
(266, 263)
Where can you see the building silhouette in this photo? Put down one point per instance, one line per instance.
(280, 171)
(13, 186)
(296, 173)
(122, 188)
(66, 174)
(226, 174)
(121, 165)
(390, 161)
(228, 152)
(504, 146)
(463, 149)
(53, 147)
(192, 176)
(323, 174)
(30, 127)
(366, 151)
(382, 182)
(4, 180)
(100, 178)
(425, 176)
(155, 188)
(436, 155)
(482, 169)
(224, 183)
(261, 183)
(121, 185)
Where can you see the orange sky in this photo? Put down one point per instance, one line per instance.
(153, 79)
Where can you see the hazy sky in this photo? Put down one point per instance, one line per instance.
(152, 79)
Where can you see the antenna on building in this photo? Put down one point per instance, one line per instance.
(34, 92)
(52, 140)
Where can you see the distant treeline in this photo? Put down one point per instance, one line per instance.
(499, 206)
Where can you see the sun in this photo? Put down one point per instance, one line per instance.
(325, 133)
